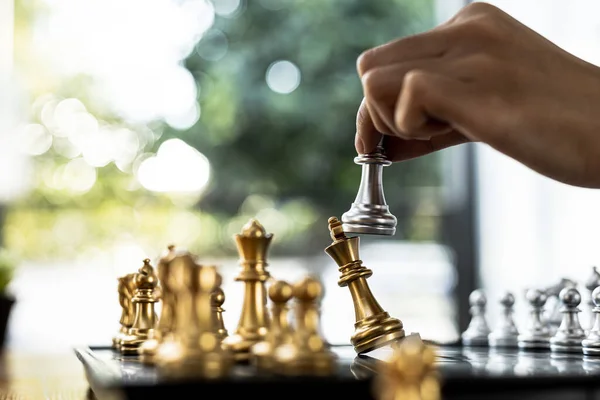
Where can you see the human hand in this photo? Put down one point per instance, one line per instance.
(483, 77)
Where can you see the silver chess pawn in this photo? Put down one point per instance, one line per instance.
(592, 283)
(553, 302)
(370, 214)
(506, 333)
(591, 344)
(569, 335)
(478, 330)
(536, 334)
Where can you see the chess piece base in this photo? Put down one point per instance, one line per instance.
(370, 219)
(376, 331)
(147, 350)
(240, 347)
(533, 342)
(565, 344)
(291, 361)
(498, 341)
(475, 341)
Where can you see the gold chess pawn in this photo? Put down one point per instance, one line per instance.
(409, 374)
(373, 327)
(280, 331)
(125, 288)
(144, 324)
(201, 354)
(217, 300)
(309, 352)
(252, 244)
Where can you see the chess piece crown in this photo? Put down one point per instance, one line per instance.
(373, 326)
(252, 245)
(369, 213)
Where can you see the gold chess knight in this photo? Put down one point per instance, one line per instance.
(253, 245)
(125, 288)
(373, 327)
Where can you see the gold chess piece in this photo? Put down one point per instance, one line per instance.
(280, 331)
(309, 352)
(373, 327)
(125, 288)
(144, 324)
(409, 374)
(201, 354)
(217, 300)
(166, 322)
(252, 244)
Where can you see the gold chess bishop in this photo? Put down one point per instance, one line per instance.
(253, 245)
(145, 321)
(373, 327)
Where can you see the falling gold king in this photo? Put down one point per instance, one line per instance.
(374, 327)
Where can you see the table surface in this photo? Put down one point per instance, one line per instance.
(33, 376)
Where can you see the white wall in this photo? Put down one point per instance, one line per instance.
(533, 231)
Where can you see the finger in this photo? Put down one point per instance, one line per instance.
(367, 135)
(431, 44)
(381, 87)
(429, 99)
(398, 149)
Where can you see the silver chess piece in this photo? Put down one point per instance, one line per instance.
(592, 283)
(506, 333)
(370, 214)
(478, 330)
(569, 335)
(536, 335)
(552, 292)
(591, 344)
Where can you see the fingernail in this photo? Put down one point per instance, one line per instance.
(359, 144)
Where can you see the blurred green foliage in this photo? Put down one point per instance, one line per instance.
(289, 152)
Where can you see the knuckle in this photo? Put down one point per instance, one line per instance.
(365, 62)
(413, 82)
(479, 8)
(371, 82)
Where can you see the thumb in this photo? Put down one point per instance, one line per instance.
(428, 101)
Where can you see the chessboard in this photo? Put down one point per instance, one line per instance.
(464, 373)
(277, 350)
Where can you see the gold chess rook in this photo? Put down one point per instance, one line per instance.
(374, 327)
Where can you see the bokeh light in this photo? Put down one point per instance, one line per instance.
(283, 77)
(176, 168)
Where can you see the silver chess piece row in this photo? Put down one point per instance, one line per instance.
(569, 337)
